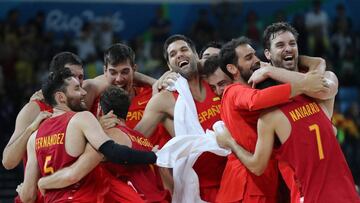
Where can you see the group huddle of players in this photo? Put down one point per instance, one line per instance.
(95, 140)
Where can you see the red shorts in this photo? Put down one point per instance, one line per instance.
(121, 192)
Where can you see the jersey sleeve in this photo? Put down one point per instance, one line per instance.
(253, 99)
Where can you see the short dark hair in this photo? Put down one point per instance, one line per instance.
(210, 66)
(174, 38)
(228, 54)
(54, 83)
(274, 28)
(119, 53)
(61, 59)
(116, 99)
(212, 44)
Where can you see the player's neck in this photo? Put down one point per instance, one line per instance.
(132, 93)
(241, 80)
(197, 89)
(60, 109)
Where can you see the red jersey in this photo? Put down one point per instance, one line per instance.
(52, 156)
(95, 108)
(119, 190)
(145, 179)
(136, 110)
(209, 167)
(313, 152)
(291, 181)
(137, 106)
(240, 110)
(43, 107)
(39, 198)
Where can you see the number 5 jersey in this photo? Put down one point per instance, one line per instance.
(52, 156)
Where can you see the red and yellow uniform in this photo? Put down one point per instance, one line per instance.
(209, 167)
(136, 110)
(291, 181)
(43, 107)
(145, 179)
(313, 152)
(52, 156)
(95, 108)
(240, 110)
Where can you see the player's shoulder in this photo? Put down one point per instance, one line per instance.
(162, 99)
(113, 132)
(272, 115)
(81, 114)
(32, 138)
(232, 89)
(95, 82)
(235, 86)
(119, 136)
(143, 90)
(82, 117)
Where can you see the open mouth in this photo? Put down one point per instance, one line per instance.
(122, 86)
(288, 58)
(183, 63)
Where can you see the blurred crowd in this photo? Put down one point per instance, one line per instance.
(26, 49)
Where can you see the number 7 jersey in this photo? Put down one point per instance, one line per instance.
(314, 154)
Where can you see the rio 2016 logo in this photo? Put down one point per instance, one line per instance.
(59, 21)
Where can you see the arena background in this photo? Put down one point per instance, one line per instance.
(31, 32)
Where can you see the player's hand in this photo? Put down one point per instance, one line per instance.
(167, 79)
(42, 116)
(109, 120)
(315, 82)
(42, 190)
(260, 74)
(19, 188)
(224, 138)
(155, 148)
(157, 86)
(321, 67)
(38, 95)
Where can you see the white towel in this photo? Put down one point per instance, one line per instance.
(190, 141)
(180, 153)
(186, 120)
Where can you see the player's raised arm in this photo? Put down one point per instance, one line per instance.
(16, 147)
(155, 112)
